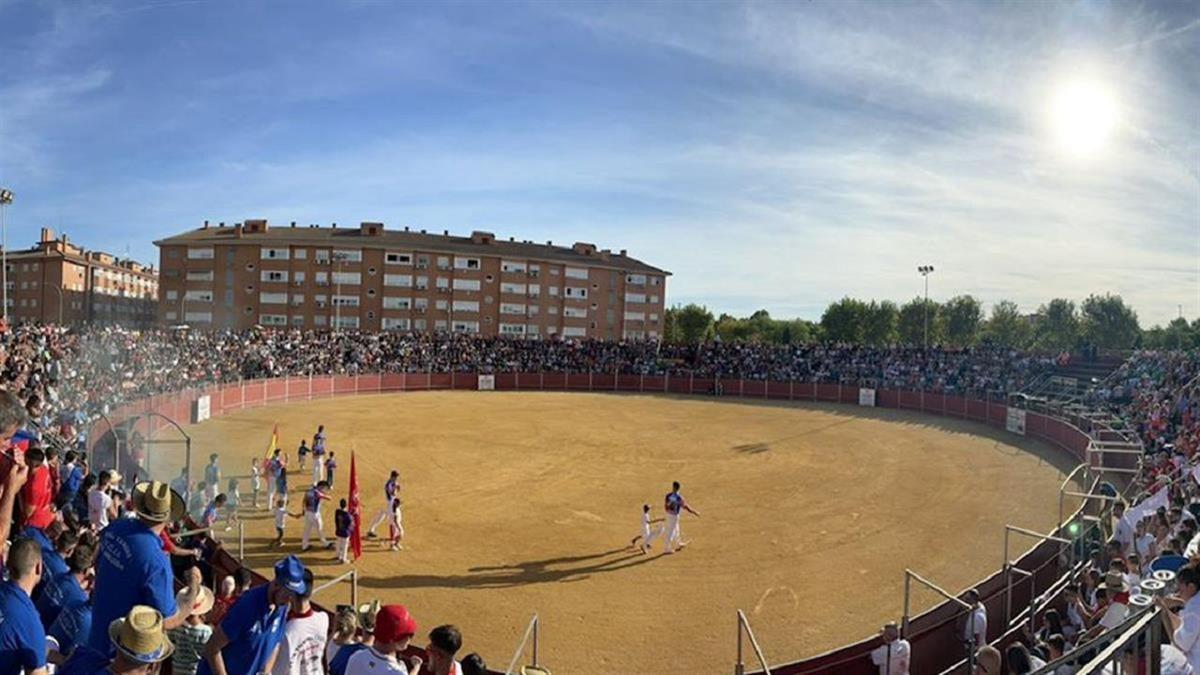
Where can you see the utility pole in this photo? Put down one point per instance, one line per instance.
(6, 198)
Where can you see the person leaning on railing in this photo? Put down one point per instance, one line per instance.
(1181, 615)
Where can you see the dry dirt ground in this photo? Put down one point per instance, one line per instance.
(518, 503)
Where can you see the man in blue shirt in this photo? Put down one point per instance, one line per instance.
(67, 588)
(22, 638)
(254, 625)
(132, 569)
(54, 556)
(72, 478)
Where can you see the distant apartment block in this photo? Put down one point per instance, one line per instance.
(58, 281)
(372, 278)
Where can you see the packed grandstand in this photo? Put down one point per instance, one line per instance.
(65, 559)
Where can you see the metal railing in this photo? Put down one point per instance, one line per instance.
(530, 631)
(352, 575)
(1136, 643)
(743, 629)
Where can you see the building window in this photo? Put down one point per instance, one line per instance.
(348, 255)
(370, 292)
(489, 278)
(273, 254)
(370, 315)
(466, 284)
(371, 271)
(200, 253)
(466, 263)
(347, 278)
(249, 267)
(274, 276)
(575, 292)
(273, 298)
(466, 306)
(272, 319)
(512, 266)
(390, 323)
(172, 295)
(398, 258)
(398, 280)
(300, 253)
(396, 303)
(345, 301)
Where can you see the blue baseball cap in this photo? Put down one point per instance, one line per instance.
(289, 572)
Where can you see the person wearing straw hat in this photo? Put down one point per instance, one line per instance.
(191, 637)
(22, 637)
(139, 644)
(254, 625)
(132, 569)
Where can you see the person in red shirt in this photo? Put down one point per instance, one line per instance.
(37, 496)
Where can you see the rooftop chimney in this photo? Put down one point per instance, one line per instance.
(335, 226)
(47, 234)
(624, 253)
(445, 233)
(222, 223)
(205, 225)
(478, 237)
(293, 223)
(370, 229)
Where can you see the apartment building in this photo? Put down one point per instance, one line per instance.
(60, 282)
(372, 278)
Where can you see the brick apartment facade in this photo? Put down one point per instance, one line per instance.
(56, 280)
(372, 278)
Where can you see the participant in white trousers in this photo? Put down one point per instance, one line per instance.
(647, 536)
(391, 490)
(312, 514)
(674, 504)
(396, 525)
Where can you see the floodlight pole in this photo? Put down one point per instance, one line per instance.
(925, 271)
(6, 198)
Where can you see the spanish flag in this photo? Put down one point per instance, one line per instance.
(274, 444)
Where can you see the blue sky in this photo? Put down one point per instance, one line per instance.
(771, 155)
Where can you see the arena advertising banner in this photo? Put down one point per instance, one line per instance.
(487, 383)
(201, 409)
(866, 397)
(1016, 421)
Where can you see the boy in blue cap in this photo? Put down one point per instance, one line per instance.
(254, 625)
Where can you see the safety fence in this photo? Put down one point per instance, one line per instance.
(934, 634)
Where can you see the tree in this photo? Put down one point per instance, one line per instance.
(732, 329)
(963, 316)
(1057, 325)
(691, 322)
(1108, 323)
(879, 325)
(1007, 327)
(844, 321)
(911, 324)
(797, 331)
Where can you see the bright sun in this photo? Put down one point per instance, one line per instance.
(1084, 115)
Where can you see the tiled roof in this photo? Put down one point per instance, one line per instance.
(408, 240)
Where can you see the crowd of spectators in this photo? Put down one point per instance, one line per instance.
(65, 376)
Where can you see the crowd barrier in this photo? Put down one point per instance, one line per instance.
(934, 634)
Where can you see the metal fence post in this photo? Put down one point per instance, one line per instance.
(241, 540)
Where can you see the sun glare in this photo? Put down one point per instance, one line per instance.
(1084, 115)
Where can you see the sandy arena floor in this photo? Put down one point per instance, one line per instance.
(518, 503)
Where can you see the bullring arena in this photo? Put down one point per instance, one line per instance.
(524, 501)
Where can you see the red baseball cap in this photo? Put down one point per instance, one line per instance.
(393, 623)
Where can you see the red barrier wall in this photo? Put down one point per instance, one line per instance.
(934, 634)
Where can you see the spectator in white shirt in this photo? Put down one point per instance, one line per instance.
(893, 656)
(100, 505)
(1185, 626)
(302, 649)
(974, 631)
(1123, 530)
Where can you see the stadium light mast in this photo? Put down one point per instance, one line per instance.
(925, 271)
(6, 198)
